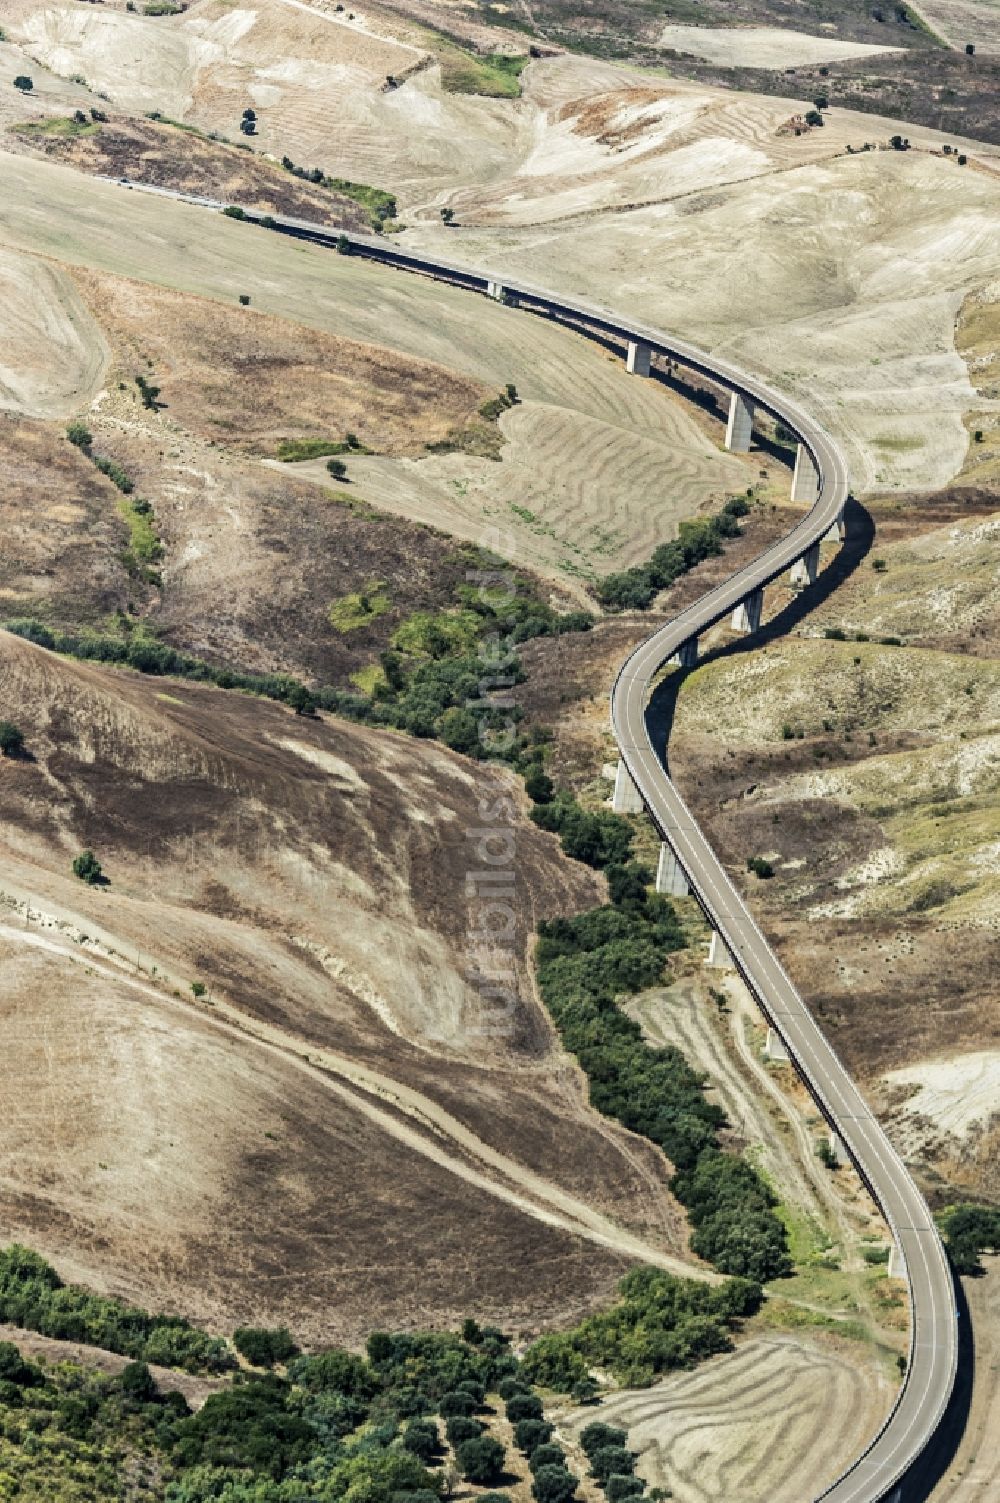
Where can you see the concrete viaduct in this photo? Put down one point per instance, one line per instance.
(688, 864)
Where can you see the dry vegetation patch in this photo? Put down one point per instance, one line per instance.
(249, 379)
(185, 160)
(299, 1144)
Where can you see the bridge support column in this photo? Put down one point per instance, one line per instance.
(739, 429)
(805, 480)
(838, 531)
(897, 1263)
(718, 953)
(626, 799)
(496, 290)
(637, 359)
(775, 1047)
(746, 616)
(670, 877)
(836, 1146)
(687, 656)
(806, 568)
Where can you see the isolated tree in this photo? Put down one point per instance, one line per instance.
(448, 216)
(813, 117)
(337, 469)
(970, 49)
(481, 1460)
(87, 867)
(11, 739)
(524, 1406)
(301, 701)
(821, 102)
(24, 83)
(553, 1484)
(250, 114)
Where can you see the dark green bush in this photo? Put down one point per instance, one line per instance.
(462, 1427)
(524, 1406)
(481, 1460)
(608, 1460)
(553, 1484)
(546, 1455)
(263, 1347)
(597, 1436)
(529, 1434)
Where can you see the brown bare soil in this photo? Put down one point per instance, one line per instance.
(299, 1145)
(62, 535)
(247, 379)
(166, 156)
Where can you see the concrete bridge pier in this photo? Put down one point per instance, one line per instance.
(687, 656)
(670, 877)
(496, 290)
(805, 479)
(897, 1263)
(775, 1047)
(746, 616)
(806, 568)
(739, 429)
(836, 1145)
(626, 798)
(637, 359)
(718, 953)
(838, 531)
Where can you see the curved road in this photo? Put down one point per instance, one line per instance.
(934, 1332)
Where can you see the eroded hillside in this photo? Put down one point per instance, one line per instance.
(337, 1087)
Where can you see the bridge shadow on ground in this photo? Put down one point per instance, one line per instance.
(919, 1484)
(860, 530)
(921, 1480)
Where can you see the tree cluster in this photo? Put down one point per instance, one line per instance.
(700, 538)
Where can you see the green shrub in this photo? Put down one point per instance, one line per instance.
(263, 1347)
(553, 1484)
(80, 434)
(481, 1460)
(620, 1486)
(546, 1455)
(697, 539)
(597, 1436)
(33, 1295)
(87, 867)
(462, 1427)
(529, 1434)
(11, 739)
(524, 1406)
(233, 211)
(608, 1460)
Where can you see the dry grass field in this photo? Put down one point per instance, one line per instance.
(299, 1145)
(737, 1429)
